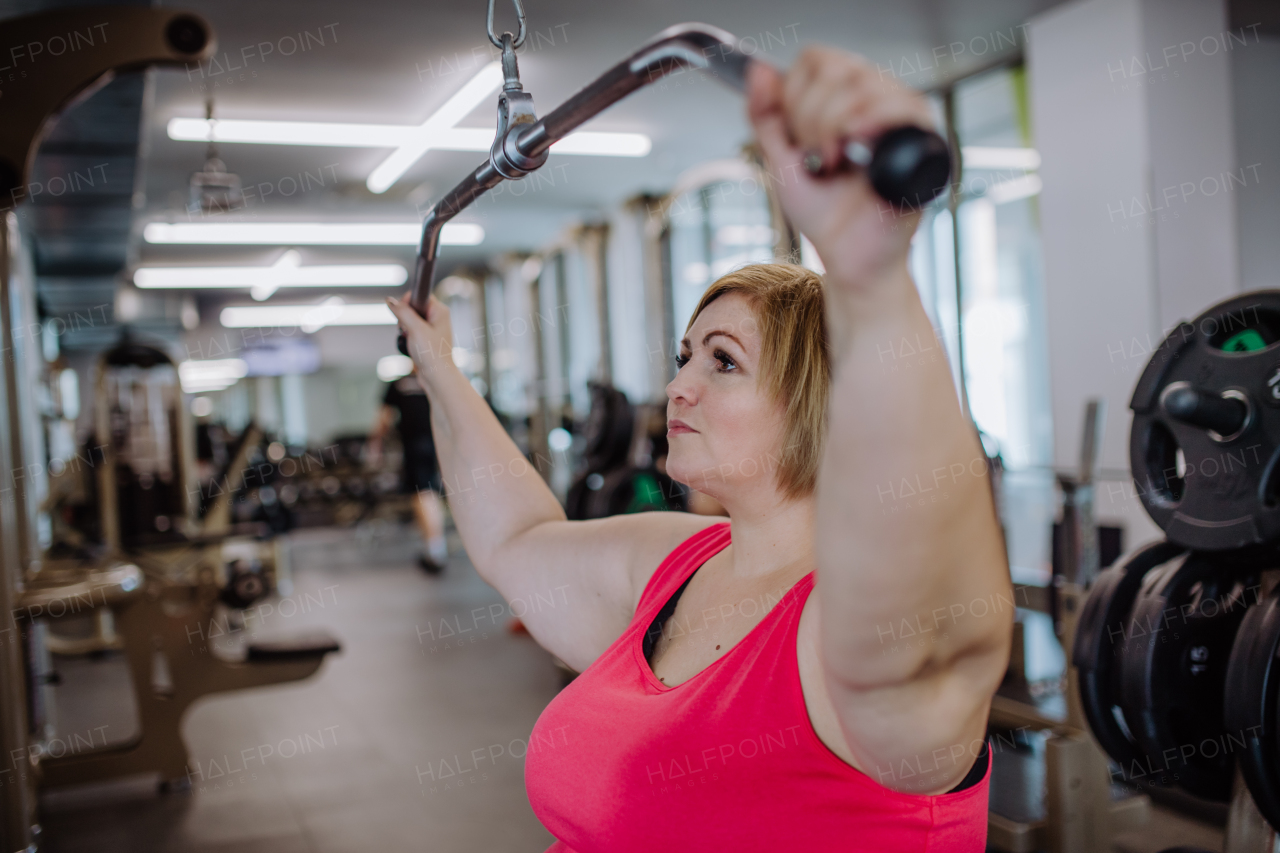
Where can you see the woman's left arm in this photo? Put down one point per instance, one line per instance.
(914, 598)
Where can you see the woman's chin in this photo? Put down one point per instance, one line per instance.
(690, 473)
(680, 471)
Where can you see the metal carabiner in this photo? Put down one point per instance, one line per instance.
(519, 37)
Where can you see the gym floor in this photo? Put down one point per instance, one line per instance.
(343, 762)
(341, 752)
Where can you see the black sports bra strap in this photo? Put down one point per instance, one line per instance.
(655, 627)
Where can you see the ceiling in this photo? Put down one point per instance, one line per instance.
(388, 62)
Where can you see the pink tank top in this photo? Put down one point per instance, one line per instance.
(727, 760)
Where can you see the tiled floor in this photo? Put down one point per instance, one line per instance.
(341, 762)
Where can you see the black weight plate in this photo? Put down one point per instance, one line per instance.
(1174, 655)
(1220, 497)
(1252, 703)
(1102, 621)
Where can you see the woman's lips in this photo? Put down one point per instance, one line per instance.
(675, 427)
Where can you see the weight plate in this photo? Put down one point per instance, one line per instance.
(1173, 659)
(1252, 702)
(1094, 653)
(1208, 490)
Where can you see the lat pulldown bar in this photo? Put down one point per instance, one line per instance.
(908, 166)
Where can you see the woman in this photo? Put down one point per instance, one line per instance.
(727, 700)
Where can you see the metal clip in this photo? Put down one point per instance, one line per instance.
(519, 37)
(515, 109)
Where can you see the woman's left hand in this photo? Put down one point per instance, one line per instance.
(826, 99)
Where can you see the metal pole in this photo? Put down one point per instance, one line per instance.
(953, 207)
(18, 826)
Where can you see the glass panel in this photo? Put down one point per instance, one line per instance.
(995, 319)
(1002, 306)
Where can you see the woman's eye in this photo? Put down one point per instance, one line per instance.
(726, 362)
(681, 361)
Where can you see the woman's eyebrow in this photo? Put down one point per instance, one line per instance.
(729, 335)
(684, 342)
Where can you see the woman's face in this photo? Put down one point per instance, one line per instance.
(724, 430)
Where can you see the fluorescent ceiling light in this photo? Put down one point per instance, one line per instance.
(585, 142)
(422, 137)
(410, 142)
(976, 157)
(335, 134)
(308, 233)
(264, 281)
(1015, 189)
(211, 374)
(309, 318)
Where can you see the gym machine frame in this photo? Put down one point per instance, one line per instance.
(131, 38)
(154, 616)
(1079, 812)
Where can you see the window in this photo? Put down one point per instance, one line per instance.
(977, 261)
(1002, 323)
(988, 307)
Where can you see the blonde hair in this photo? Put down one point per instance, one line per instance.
(794, 359)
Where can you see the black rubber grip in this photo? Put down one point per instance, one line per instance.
(402, 344)
(1207, 411)
(910, 167)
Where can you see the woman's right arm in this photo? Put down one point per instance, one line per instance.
(574, 584)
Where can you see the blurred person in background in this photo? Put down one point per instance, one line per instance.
(405, 406)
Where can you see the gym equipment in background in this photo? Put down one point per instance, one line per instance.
(621, 473)
(1176, 647)
(139, 416)
(183, 568)
(1205, 440)
(1096, 652)
(1151, 648)
(148, 575)
(907, 166)
(1253, 703)
(1079, 808)
(139, 37)
(1180, 632)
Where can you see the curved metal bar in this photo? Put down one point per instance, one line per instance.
(472, 187)
(683, 46)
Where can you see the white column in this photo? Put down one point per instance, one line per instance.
(1123, 109)
(294, 405)
(1255, 72)
(628, 318)
(266, 408)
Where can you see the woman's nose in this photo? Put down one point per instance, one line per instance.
(682, 389)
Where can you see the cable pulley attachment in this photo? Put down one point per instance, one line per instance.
(515, 111)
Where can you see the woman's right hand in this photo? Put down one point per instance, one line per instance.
(430, 338)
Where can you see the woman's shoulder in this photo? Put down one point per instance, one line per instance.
(651, 537)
